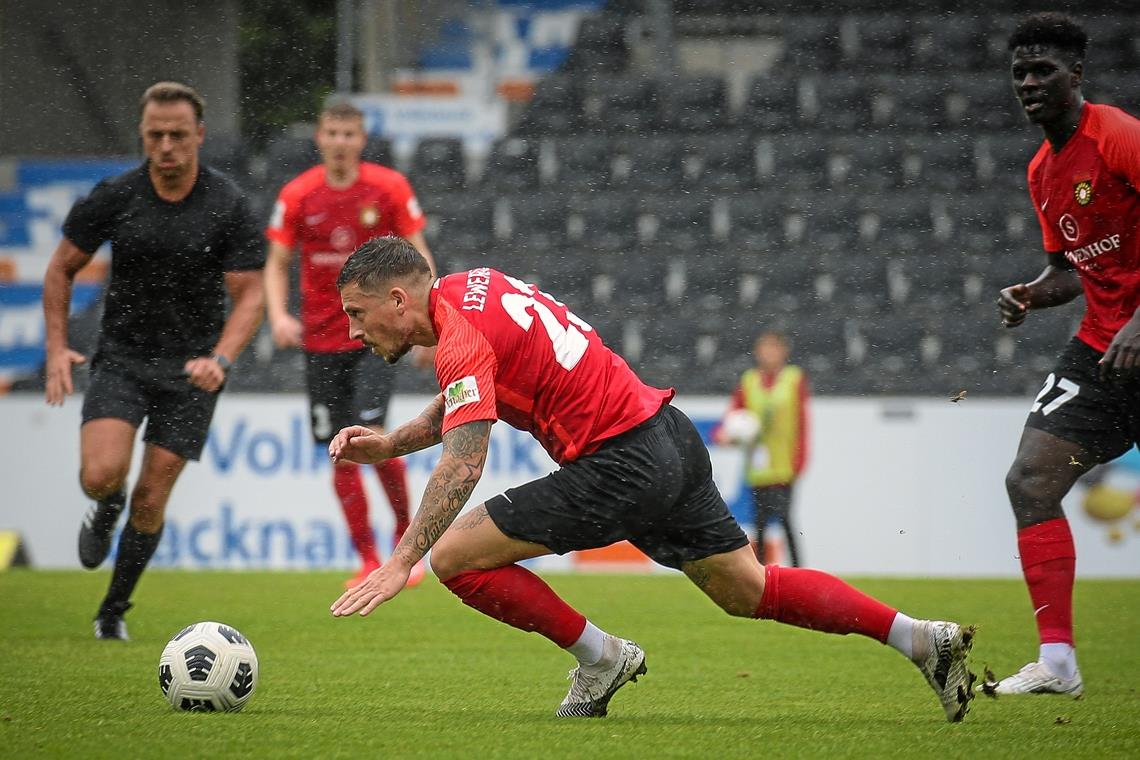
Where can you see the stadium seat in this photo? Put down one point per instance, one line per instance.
(868, 163)
(461, 220)
(720, 163)
(920, 104)
(1003, 160)
(939, 163)
(513, 165)
(772, 104)
(600, 45)
(809, 42)
(584, 162)
(600, 221)
(882, 43)
(792, 161)
(615, 105)
(1112, 43)
(651, 163)
(286, 157)
(555, 109)
(228, 153)
(378, 150)
(947, 42)
(695, 104)
(438, 165)
(843, 102)
(681, 220)
(754, 221)
(538, 220)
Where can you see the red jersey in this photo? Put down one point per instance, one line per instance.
(508, 351)
(1087, 199)
(327, 225)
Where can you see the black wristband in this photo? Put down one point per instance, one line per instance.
(223, 362)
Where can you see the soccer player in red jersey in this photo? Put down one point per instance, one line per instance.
(1084, 182)
(325, 213)
(632, 467)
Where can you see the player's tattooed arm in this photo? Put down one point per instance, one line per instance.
(450, 486)
(420, 433)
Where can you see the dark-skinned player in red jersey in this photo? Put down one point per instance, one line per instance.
(631, 467)
(1084, 183)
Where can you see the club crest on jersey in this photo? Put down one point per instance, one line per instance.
(460, 393)
(1082, 191)
(369, 216)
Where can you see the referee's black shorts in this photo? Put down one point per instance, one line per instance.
(1074, 404)
(177, 413)
(651, 485)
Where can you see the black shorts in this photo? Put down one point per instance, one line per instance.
(651, 485)
(348, 388)
(177, 413)
(1103, 417)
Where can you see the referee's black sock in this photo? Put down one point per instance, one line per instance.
(135, 551)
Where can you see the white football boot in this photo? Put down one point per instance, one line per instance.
(1036, 678)
(593, 686)
(940, 650)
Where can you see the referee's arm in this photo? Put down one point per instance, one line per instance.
(65, 263)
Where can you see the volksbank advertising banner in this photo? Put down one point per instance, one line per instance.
(897, 487)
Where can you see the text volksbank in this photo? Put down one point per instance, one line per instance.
(246, 447)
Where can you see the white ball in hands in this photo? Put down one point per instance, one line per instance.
(740, 427)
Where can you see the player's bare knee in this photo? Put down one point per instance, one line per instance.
(445, 562)
(99, 481)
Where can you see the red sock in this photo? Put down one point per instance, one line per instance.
(1049, 562)
(393, 474)
(519, 598)
(354, 503)
(813, 599)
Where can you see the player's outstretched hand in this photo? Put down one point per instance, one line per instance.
(382, 584)
(58, 385)
(1013, 303)
(1123, 353)
(359, 444)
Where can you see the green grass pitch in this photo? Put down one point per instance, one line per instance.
(425, 676)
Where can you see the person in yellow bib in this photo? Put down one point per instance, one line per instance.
(768, 417)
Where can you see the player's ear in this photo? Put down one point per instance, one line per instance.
(1076, 73)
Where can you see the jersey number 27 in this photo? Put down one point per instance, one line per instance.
(567, 340)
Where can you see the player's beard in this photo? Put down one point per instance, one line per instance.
(390, 358)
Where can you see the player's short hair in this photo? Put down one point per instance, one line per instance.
(341, 109)
(1054, 29)
(172, 92)
(382, 260)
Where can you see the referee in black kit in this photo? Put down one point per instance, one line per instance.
(182, 236)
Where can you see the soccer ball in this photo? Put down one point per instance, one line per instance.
(208, 667)
(741, 427)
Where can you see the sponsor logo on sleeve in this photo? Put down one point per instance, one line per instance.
(460, 393)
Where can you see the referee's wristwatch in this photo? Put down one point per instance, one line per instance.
(223, 362)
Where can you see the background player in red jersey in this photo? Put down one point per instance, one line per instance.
(326, 212)
(631, 467)
(1084, 185)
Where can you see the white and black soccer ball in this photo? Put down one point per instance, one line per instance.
(208, 667)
